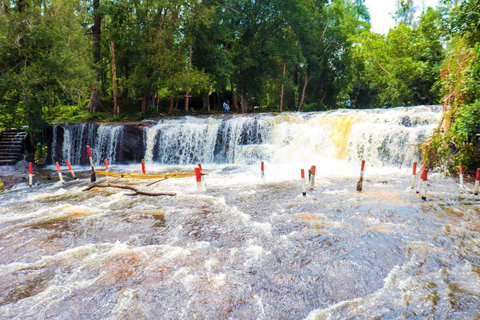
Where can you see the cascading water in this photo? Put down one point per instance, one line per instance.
(70, 141)
(246, 247)
(382, 137)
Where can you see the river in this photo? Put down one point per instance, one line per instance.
(243, 247)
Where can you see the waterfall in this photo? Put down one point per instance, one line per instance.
(383, 137)
(70, 141)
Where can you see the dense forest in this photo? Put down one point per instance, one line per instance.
(76, 60)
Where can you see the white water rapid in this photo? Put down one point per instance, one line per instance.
(243, 247)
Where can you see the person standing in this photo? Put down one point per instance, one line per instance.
(349, 103)
(226, 106)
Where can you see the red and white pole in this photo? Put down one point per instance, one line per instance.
(414, 173)
(360, 182)
(461, 175)
(203, 179)
(477, 181)
(71, 170)
(420, 183)
(59, 171)
(93, 178)
(262, 170)
(30, 174)
(143, 167)
(304, 189)
(106, 164)
(424, 179)
(312, 177)
(198, 175)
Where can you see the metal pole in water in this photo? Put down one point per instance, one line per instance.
(262, 170)
(106, 164)
(360, 182)
(30, 174)
(201, 175)
(414, 173)
(477, 181)
(424, 193)
(312, 177)
(143, 167)
(93, 178)
(71, 169)
(198, 175)
(420, 183)
(59, 171)
(461, 175)
(304, 190)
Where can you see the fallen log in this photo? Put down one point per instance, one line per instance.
(122, 186)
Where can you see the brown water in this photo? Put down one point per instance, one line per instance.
(242, 249)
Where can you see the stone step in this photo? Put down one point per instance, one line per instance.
(11, 146)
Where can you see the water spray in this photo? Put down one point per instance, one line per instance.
(71, 169)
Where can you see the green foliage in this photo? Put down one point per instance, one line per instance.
(45, 62)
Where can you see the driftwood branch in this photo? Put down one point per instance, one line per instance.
(122, 186)
(156, 181)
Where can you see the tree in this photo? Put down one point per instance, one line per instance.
(44, 61)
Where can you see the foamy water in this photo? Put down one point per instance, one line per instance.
(244, 247)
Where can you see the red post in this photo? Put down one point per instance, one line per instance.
(424, 179)
(30, 174)
(106, 164)
(93, 177)
(143, 167)
(262, 169)
(477, 180)
(304, 190)
(198, 175)
(414, 173)
(312, 177)
(360, 182)
(71, 170)
(60, 177)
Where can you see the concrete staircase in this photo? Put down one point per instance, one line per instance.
(11, 146)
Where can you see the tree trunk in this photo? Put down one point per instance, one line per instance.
(170, 108)
(94, 101)
(116, 109)
(307, 80)
(206, 100)
(144, 103)
(283, 86)
(234, 100)
(97, 20)
(187, 94)
(243, 103)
